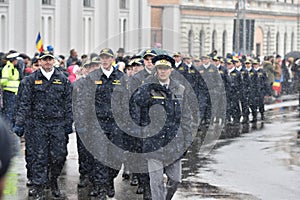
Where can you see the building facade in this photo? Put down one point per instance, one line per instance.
(199, 26)
(86, 25)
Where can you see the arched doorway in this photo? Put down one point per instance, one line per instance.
(258, 41)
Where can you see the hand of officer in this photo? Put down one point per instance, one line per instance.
(18, 130)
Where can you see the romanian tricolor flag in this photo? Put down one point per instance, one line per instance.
(39, 43)
(276, 86)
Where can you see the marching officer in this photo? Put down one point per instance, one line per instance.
(136, 81)
(194, 78)
(263, 88)
(245, 85)
(47, 103)
(235, 90)
(10, 80)
(162, 90)
(253, 91)
(214, 83)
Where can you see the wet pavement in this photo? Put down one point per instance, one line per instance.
(250, 162)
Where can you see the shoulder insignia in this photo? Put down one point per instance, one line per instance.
(211, 70)
(221, 72)
(192, 71)
(98, 82)
(38, 82)
(116, 82)
(157, 97)
(233, 74)
(181, 68)
(260, 73)
(57, 81)
(201, 71)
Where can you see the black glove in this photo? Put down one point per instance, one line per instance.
(18, 130)
(68, 130)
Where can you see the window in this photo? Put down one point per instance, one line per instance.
(214, 40)
(46, 2)
(224, 43)
(285, 43)
(277, 43)
(268, 43)
(292, 42)
(87, 3)
(190, 42)
(123, 4)
(201, 40)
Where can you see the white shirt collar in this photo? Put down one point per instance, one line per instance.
(206, 66)
(249, 69)
(166, 83)
(106, 72)
(219, 66)
(178, 63)
(189, 65)
(47, 74)
(239, 68)
(231, 70)
(148, 70)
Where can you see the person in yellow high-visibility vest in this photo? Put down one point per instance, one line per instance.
(10, 81)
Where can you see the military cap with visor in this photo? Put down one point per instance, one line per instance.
(163, 61)
(150, 52)
(106, 51)
(46, 54)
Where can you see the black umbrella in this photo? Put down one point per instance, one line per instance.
(293, 54)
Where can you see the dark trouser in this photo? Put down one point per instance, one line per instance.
(245, 108)
(102, 174)
(85, 159)
(50, 149)
(30, 156)
(253, 107)
(234, 110)
(261, 104)
(9, 99)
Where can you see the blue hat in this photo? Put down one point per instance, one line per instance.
(107, 51)
(50, 48)
(149, 52)
(163, 60)
(46, 54)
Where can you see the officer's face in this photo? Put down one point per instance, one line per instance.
(229, 65)
(205, 61)
(248, 65)
(216, 62)
(148, 62)
(137, 68)
(106, 61)
(177, 58)
(163, 73)
(47, 63)
(238, 64)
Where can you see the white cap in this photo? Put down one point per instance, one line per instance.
(12, 55)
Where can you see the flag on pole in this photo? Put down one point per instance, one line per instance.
(276, 87)
(39, 43)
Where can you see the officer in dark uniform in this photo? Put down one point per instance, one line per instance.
(263, 88)
(136, 81)
(214, 83)
(106, 79)
(47, 104)
(253, 91)
(194, 78)
(235, 90)
(224, 75)
(163, 90)
(245, 84)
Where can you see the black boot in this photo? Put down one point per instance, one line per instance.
(37, 193)
(111, 189)
(55, 191)
(83, 181)
(125, 176)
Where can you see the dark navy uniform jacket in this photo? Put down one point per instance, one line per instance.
(43, 100)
